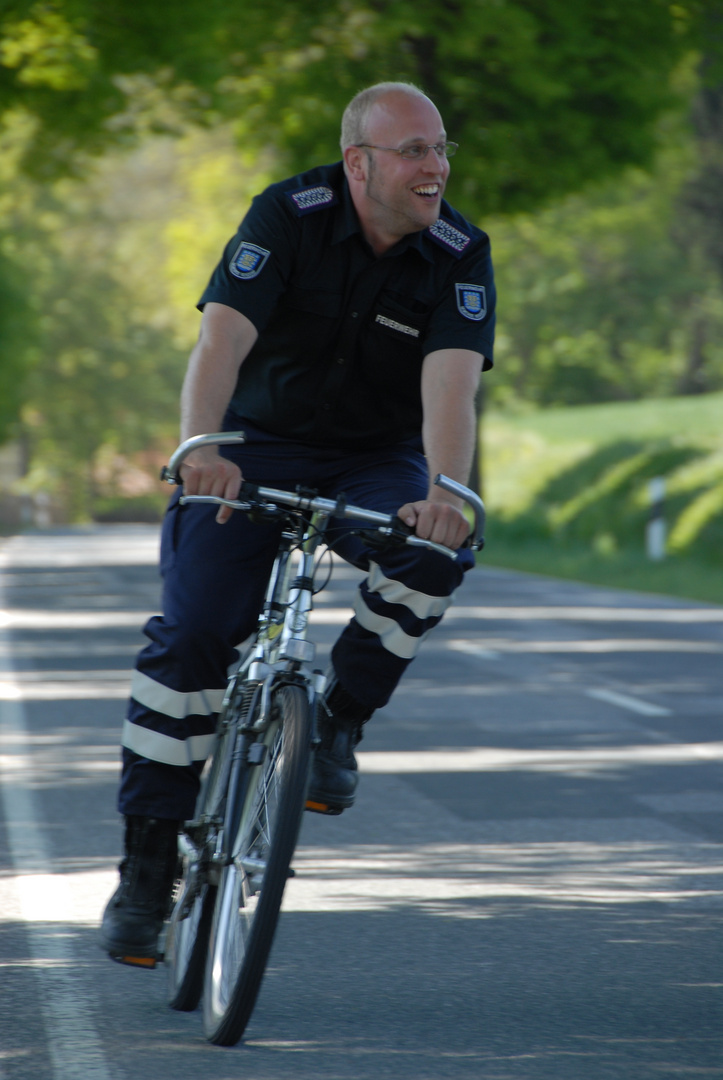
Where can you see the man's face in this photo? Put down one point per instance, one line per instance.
(404, 196)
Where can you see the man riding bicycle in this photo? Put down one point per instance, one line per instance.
(343, 331)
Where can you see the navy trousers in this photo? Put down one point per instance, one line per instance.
(214, 579)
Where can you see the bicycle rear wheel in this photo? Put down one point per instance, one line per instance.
(251, 887)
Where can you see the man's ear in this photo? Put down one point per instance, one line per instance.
(355, 162)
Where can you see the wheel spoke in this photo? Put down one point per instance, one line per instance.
(252, 883)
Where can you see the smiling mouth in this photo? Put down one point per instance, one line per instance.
(427, 191)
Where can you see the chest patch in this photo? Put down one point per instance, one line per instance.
(249, 260)
(412, 331)
(472, 301)
(308, 199)
(449, 237)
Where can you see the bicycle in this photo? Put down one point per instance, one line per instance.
(236, 852)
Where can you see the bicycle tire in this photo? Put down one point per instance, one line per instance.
(246, 910)
(187, 942)
(190, 921)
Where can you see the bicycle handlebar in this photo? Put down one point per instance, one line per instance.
(387, 523)
(170, 473)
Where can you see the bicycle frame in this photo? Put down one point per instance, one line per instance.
(280, 649)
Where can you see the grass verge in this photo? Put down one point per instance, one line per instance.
(568, 494)
(684, 578)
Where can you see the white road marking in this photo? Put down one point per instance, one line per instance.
(636, 705)
(589, 613)
(44, 900)
(483, 646)
(566, 759)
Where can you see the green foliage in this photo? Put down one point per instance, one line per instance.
(45, 49)
(77, 68)
(688, 578)
(102, 380)
(99, 275)
(571, 429)
(118, 264)
(17, 341)
(599, 299)
(132, 508)
(543, 95)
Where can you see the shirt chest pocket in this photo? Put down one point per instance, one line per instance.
(399, 322)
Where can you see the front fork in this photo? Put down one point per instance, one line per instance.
(292, 650)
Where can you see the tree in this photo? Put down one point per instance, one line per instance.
(698, 224)
(118, 261)
(599, 302)
(543, 95)
(17, 343)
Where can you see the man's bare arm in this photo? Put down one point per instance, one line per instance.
(449, 383)
(225, 340)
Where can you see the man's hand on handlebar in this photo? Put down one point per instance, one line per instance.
(436, 520)
(205, 472)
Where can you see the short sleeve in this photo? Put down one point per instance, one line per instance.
(464, 315)
(257, 262)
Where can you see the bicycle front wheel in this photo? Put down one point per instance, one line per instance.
(251, 887)
(187, 937)
(190, 922)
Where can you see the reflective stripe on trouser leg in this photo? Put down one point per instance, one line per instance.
(399, 616)
(198, 705)
(396, 608)
(181, 675)
(169, 729)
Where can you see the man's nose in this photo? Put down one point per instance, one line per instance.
(434, 162)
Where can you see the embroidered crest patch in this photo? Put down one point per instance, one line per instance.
(449, 237)
(308, 199)
(472, 301)
(248, 262)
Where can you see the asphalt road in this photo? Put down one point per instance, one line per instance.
(530, 885)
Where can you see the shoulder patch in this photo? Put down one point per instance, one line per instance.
(472, 301)
(308, 199)
(249, 260)
(449, 237)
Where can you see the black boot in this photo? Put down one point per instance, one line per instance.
(334, 775)
(134, 915)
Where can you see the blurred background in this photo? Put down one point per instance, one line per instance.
(133, 137)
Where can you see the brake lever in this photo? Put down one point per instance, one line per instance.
(399, 534)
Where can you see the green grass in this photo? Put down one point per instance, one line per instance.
(685, 578)
(567, 493)
(700, 416)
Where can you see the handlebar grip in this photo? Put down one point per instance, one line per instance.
(476, 541)
(170, 473)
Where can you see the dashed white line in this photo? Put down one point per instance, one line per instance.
(632, 704)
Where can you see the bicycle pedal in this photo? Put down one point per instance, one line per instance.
(148, 962)
(323, 808)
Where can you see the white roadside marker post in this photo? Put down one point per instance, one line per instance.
(655, 530)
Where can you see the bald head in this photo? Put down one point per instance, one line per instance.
(354, 122)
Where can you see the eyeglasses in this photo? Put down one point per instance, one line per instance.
(417, 151)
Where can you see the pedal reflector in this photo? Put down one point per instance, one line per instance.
(322, 808)
(137, 961)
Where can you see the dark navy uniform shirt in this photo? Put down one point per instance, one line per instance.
(343, 333)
